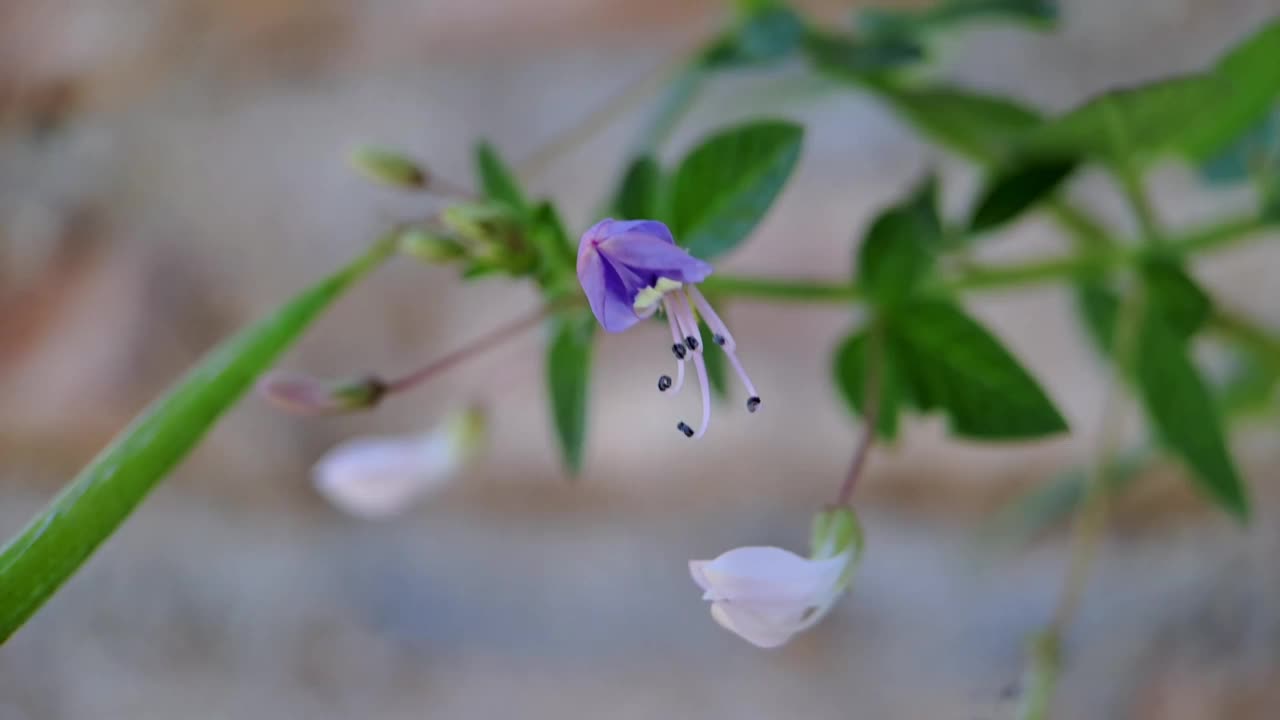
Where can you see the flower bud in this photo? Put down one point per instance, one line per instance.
(428, 246)
(377, 477)
(389, 168)
(303, 395)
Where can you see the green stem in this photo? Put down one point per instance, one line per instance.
(1233, 326)
(991, 277)
(782, 290)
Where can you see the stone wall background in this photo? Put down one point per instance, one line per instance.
(170, 169)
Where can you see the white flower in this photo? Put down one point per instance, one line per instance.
(375, 477)
(767, 594)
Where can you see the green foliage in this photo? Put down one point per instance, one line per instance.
(59, 539)
(1015, 189)
(713, 357)
(859, 61)
(568, 383)
(768, 33)
(497, 182)
(1180, 301)
(898, 251)
(1178, 400)
(1251, 73)
(640, 194)
(1255, 152)
(880, 23)
(1182, 410)
(968, 122)
(953, 364)
(849, 367)
(556, 255)
(724, 187)
(1130, 124)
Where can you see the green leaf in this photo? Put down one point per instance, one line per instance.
(1098, 307)
(497, 182)
(952, 363)
(639, 195)
(713, 357)
(1175, 296)
(725, 186)
(877, 23)
(768, 35)
(849, 366)
(1251, 154)
(1136, 123)
(1251, 73)
(898, 251)
(859, 61)
(568, 379)
(1250, 386)
(973, 124)
(1015, 189)
(1182, 410)
(34, 564)
(556, 255)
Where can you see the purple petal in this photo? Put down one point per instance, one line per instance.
(652, 228)
(608, 296)
(645, 254)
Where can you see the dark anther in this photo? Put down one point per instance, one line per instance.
(692, 342)
(753, 404)
(684, 428)
(679, 351)
(664, 383)
(718, 339)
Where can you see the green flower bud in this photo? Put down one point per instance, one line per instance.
(429, 246)
(389, 168)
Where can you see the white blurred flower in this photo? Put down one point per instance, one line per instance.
(766, 594)
(376, 477)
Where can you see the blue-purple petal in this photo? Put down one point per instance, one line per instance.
(608, 296)
(647, 255)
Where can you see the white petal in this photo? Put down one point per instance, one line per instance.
(377, 477)
(751, 628)
(771, 576)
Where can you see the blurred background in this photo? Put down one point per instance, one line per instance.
(170, 169)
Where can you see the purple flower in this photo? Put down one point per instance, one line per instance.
(630, 268)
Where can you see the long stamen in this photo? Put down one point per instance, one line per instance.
(723, 338)
(677, 347)
(689, 326)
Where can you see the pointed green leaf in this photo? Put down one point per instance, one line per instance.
(1183, 412)
(497, 182)
(725, 186)
(34, 564)
(1175, 296)
(1015, 189)
(898, 251)
(568, 383)
(876, 23)
(1251, 73)
(639, 195)
(1250, 154)
(555, 250)
(1137, 122)
(859, 61)
(968, 122)
(849, 366)
(767, 35)
(950, 362)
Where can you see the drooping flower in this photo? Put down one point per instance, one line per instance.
(766, 594)
(628, 269)
(376, 477)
